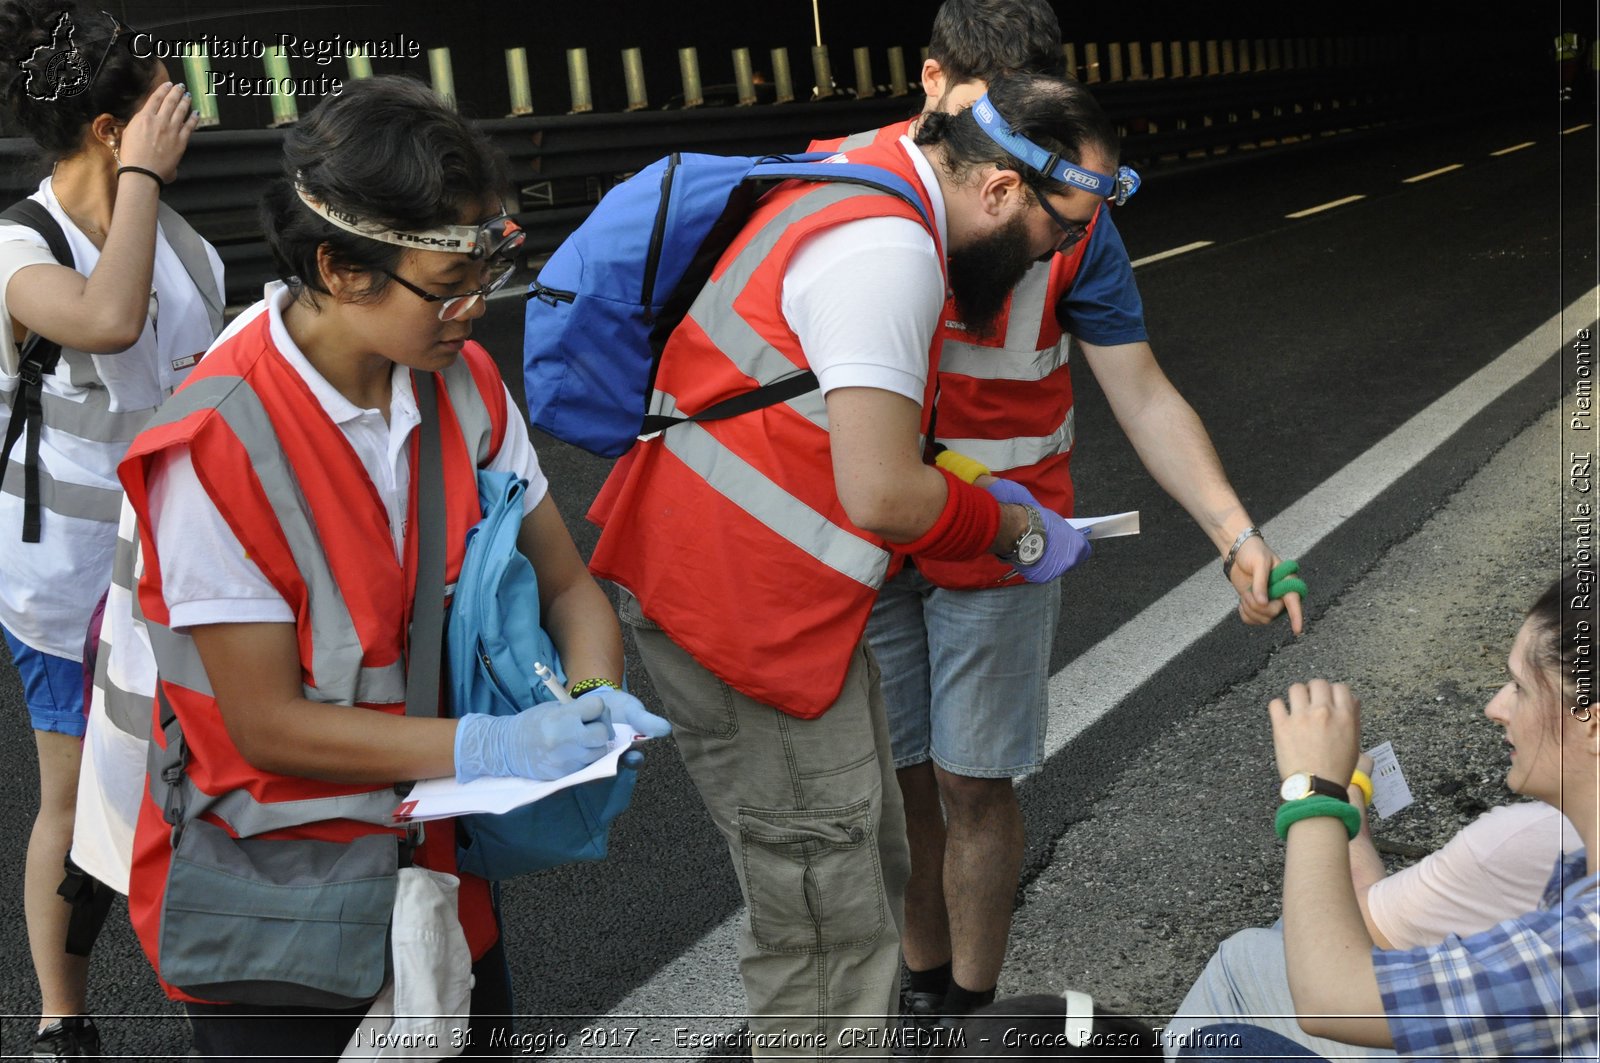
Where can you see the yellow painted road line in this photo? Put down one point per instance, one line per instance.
(1514, 147)
(1577, 128)
(1323, 206)
(1431, 173)
(1159, 255)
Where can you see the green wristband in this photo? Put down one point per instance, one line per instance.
(1292, 812)
(583, 686)
(1279, 581)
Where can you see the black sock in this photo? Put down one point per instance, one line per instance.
(936, 981)
(959, 1000)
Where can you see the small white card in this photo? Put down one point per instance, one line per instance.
(1389, 790)
(1107, 527)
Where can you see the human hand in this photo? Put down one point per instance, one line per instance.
(547, 741)
(622, 708)
(156, 138)
(1252, 567)
(1317, 731)
(1064, 545)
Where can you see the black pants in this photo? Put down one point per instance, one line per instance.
(225, 1032)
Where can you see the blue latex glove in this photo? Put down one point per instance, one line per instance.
(550, 740)
(1064, 545)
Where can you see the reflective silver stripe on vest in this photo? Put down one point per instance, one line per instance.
(998, 363)
(91, 419)
(1002, 454)
(1025, 320)
(128, 710)
(67, 499)
(335, 645)
(476, 428)
(857, 140)
(783, 514)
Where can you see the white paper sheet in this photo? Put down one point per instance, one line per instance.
(1389, 790)
(1107, 527)
(438, 798)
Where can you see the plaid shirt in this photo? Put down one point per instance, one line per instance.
(1529, 987)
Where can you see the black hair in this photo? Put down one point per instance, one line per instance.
(1563, 622)
(74, 54)
(388, 150)
(982, 39)
(1034, 1027)
(1058, 114)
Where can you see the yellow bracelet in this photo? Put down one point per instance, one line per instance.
(1358, 779)
(960, 466)
(583, 686)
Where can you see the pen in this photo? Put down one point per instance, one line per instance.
(553, 685)
(550, 681)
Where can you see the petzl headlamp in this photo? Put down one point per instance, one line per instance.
(1115, 187)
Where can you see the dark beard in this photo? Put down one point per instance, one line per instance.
(982, 276)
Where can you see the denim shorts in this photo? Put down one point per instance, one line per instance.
(52, 687)
(965, 673)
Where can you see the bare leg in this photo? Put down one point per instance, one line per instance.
(982, 864)
(63, 979)
(926, 941)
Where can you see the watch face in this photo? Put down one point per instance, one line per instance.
(1030, 548)
(1295, 786)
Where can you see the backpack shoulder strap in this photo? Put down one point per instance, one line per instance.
(32, 214)
(37, 359)
(190, 248)
(807, 168)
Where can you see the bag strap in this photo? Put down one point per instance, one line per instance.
(803, 167)
(36, 360)
(427, 609)
(191, 251)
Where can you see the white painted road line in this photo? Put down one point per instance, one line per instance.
(1431, 173)
(1324, 206)
(1514, 147)
(704, 977)
(1093, 684)
(1159, 255)
(1577, 128)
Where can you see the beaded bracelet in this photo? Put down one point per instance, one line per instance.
(583, 686)
(1292, 812)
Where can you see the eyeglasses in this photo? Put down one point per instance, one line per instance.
(117, 31)
(1071, 231)
(453, 307)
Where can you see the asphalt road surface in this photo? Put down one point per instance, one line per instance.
(1383, 378)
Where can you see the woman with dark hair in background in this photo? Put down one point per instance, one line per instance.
(136, 309)
(1526, 987)
(278, 505)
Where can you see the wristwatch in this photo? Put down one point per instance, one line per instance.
(1029, 547)
(1304, 784)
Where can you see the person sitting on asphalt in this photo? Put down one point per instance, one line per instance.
(1529, 985)
(1494, 869)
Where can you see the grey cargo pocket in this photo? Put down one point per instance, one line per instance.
(290, 922)
(813, 876)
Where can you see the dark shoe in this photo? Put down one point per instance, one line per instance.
(71, 1038)
(919, 1017)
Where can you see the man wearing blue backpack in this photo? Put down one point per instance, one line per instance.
(752, 547)
(965, 645)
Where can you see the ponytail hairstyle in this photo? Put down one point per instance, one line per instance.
(62, 65)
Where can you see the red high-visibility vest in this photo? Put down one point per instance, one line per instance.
(285, 478)
(731, 533)
(1004, 399)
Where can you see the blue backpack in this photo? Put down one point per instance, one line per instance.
(492, 640)
(604, 305)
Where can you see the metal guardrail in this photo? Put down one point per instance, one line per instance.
(560, 165)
